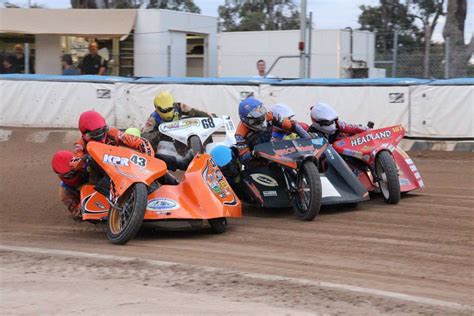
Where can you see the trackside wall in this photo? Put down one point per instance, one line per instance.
(432, 109)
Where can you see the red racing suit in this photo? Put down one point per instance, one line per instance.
(343, 130)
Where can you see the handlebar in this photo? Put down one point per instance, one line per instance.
(301, 132)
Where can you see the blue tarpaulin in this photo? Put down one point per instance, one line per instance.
(60, 78)
(243, 80)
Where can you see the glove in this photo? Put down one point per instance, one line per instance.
(77, 163)
(75, 211)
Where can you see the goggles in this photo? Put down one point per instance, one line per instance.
(97, 135)
(167, 110)
(255, 121)
(68, 175)
(326, 122)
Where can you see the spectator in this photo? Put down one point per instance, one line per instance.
(9, 66)
(93, 63)
(20, 60)
(261, 68)
(2, 68)
(68, 67)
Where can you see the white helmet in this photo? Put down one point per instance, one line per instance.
(324, 118)
(282, 110)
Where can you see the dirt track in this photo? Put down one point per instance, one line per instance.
(415, 257)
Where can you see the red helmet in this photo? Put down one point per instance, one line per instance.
(60, 164)
(92, 126)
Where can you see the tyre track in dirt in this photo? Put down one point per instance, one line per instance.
(422, 246)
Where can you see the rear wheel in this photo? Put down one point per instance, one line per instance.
(218, 225)
(195, 145)
(308, 196)
(125, 221)
(387, 174)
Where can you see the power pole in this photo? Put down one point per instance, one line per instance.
(395, 53)
(302, 45)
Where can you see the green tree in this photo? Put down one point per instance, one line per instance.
(259, 15)
(176, 5)
(460, 53)
(428, 12)
(384, 19)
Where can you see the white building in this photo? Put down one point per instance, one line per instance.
(330, 53)
(164, 43)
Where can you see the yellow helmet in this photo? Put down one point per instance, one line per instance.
(164, 105)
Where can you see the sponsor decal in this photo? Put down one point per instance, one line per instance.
(340, 143)
(115, 160)
(285, 151)
(404, 181)
(264, 180)
(99, 205)
(270, 193)
(218, 183)
(103, 94)
(417, 175)
(320, 141)
(409, 161)
(162, 205)
(413, 168)
(421, 183)
(183, 124)
(396, 97)
(305, 148)
(350, 152)
(369, 137)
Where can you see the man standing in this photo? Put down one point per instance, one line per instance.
(261, 68)
(93, 63)
(19, 60)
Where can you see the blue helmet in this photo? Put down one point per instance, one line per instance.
(222, 155)
(252, 113)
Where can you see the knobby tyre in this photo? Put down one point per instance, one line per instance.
(124, 223)
(387, 174)
(309, 194)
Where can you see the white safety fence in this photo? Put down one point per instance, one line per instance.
(53, 104)
(425, 110)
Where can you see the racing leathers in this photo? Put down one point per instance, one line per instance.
(343, 130)
(151, 131)
(114, 137)
(279, 134)
(247, 139)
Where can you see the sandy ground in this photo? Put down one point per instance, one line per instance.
(412, 258)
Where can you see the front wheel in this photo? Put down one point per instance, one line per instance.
(309, 192)
(196, 145)
(125, 220)
(218, 225)
(387, 175)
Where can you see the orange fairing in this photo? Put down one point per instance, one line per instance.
(94, 205)
(125, 166)
(204, 193)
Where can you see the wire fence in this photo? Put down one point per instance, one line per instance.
(413, 61)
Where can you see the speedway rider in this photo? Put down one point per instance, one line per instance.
(166, 110)
(94, 128)
(71, 182)
(256, 126)
(326, 123)
(283, 111)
